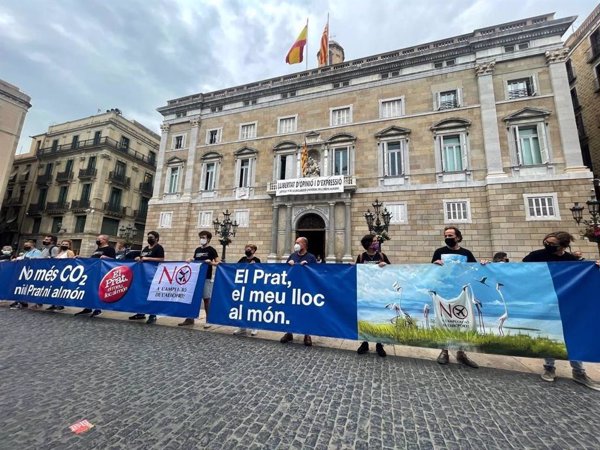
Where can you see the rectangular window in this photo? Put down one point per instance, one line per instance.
(523, 87)
(452, 153)
(75, 142)
(341, 116)
(457, 211)
(390, 108)
(398, 212)
(242, 217)
(244, 175)
(340, 161)
(97, 137)
(151, 157)
(49, 168)
(205, 219)
(528, 146)
(62, 194)
(42, 196)
(37, 223)
(165, 220)
(124, 144)
(178, 142)
(541, 206)
(173, 180)
(248, 131)
(80, 224)
(114, 201)
(56, 224)
(213, 136)
(91, 163)
(143, 206)
(86, 190)
(286, 125)
(69, 166)
(54, 145)
(393, 155)
(110, 226)
(448, 100)
(209, 176)
(286, 167)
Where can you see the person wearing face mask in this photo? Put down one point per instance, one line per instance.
(7, 253)
(207, 255)
(372, 255)
(301, 256)
(29, 252)
(151, 252)
(104, 250)
(452, 251)
(500, 257)
(249, 258)
(50, 249)
(64, 252)
(555, 246)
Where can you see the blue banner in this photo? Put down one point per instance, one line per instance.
(169, 288)
(317, 299)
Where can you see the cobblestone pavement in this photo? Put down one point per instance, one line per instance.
(159, 387)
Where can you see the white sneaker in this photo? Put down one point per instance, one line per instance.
(253, 332)
(239, 332)
(549, 375)
(207, 326)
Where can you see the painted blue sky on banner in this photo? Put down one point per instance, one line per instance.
(522, 293)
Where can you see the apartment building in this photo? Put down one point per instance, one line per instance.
(475, 130)
(92, 175)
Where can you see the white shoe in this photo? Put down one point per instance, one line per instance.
(207, 326)
(239, 332)
(253, 332)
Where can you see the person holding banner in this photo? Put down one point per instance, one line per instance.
(452, 251)
(204, 254)
(301, 256)
(151, 252)
(103, 250)
(64, 252)
(372, 255)
(30, 253)
(555, 246)
(248, 258)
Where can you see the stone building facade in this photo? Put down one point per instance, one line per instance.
(583, 71)
(476, 131)
(87, 176)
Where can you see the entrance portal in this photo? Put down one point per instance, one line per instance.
(312, 227)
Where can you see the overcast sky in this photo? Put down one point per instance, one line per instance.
(75, 57)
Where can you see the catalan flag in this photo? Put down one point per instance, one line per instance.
(304, 160)
(296, 53)
(324, 49)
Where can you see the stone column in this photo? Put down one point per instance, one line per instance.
(347, 233)
(191, 159)
(331, 235)
(160, 161)
(569, 138)
(489, 119)
(288, 232)
(274, 232)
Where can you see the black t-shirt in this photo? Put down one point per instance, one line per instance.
(155, 252)
(544, 256)
(365, 258)
(104, 251)
(207, 253)
(448, 251)
(254, 259)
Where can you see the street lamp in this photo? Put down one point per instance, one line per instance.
(225, 230)
(127, 234)
(374, 221)
(592, 226)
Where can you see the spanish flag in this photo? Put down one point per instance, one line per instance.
(324, 50)
(304, 160)
(296, 53)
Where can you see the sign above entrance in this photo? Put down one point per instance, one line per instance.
(316, 185)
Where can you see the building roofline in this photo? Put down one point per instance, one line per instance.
(583, 29)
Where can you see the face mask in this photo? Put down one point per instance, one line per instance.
(151, 240)
(203, 241)
(98, 243)
(297, 247)
(551, 248)
(27, 247)
(6, 252)
(64, 247)
(375, 246)
(450, 242)
(45, 243)
(248, 253)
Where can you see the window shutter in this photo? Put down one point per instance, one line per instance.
(459, 100)
(519, 158)
(436, 105)
(464, 151)
(541, 131)
(437, 145)
(386, 159)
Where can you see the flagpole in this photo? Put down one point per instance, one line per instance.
(307, 43)
(328, 34)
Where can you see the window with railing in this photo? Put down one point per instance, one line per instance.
(447, 99)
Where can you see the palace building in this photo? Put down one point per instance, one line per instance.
(476, 131)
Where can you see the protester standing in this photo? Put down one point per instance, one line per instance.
(452, 250)
(301, 256)
(207, 255)
(372, 255)
(29, 252)
(248, 258)
(555, 249)
(64, 251)
(103, 250)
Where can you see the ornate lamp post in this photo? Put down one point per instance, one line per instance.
(128, 234)
(225, 230)
(592, 226)
(374, 221)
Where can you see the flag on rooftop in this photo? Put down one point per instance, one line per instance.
(296, 53)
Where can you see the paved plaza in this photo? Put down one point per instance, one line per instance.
(163, 387)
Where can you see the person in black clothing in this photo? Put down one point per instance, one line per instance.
(248, 258)
(453, 251)
(151, 252)
(204, 254)
(372, 255)
(555, 246)
(104, 250)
